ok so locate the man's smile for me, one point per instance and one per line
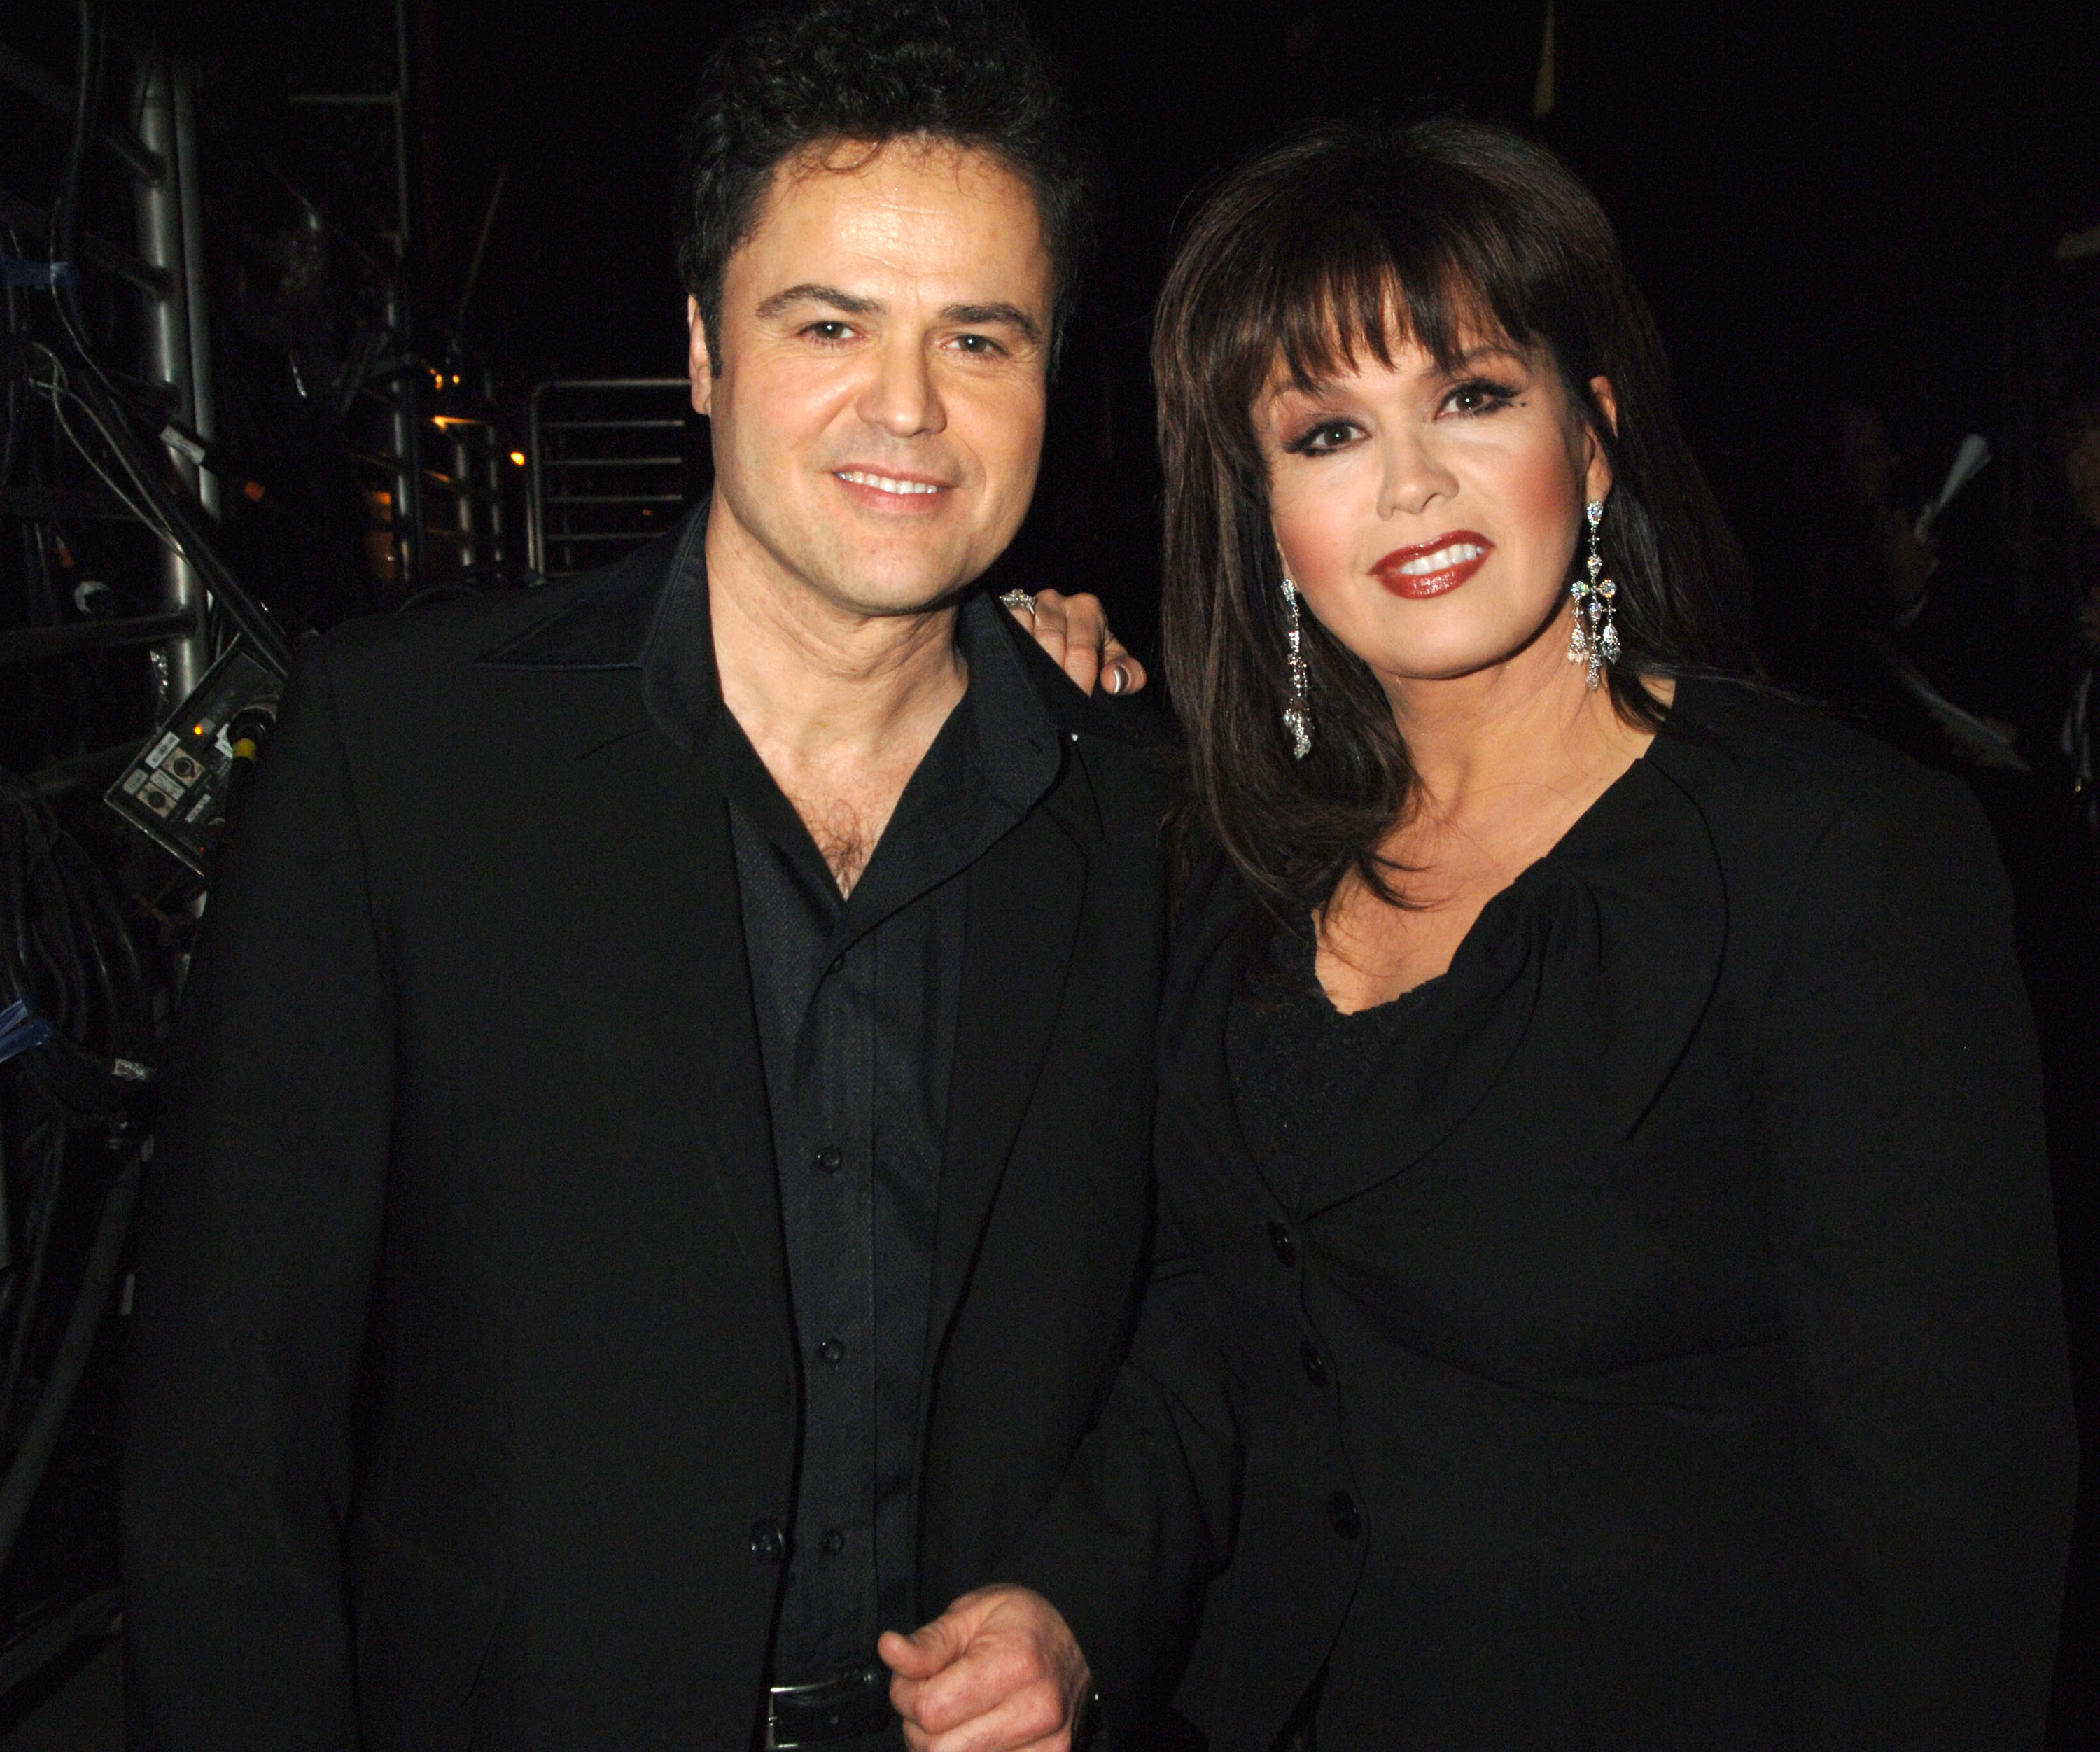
(891, 494)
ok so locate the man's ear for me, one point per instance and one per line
(1597, 472)
(698, 366)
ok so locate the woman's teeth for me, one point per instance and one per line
(1442, 560)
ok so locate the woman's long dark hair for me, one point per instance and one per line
(1320, 253)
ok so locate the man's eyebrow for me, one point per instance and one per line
(983, 316)
(811, 293)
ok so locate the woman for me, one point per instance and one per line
(1607, 1295)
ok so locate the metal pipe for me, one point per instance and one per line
(57, 96)
(26, 216)
(463, 519)
(33, 644)
(536, 516)
(404, 399)
(493, 462)
(169, 361)
(189, 201)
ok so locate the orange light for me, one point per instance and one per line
(517, 457)
(199, 730)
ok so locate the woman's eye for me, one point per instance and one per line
(1329, 435)
(1479, 397)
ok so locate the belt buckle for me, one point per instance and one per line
(834, 1696)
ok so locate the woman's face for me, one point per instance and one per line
(1429, 518)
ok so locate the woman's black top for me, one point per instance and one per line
(1296, 1061)
(1654, 1341)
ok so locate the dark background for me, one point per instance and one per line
(1824, 203)
(1827, 206)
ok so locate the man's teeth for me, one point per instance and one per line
(1442, 560)
(885, 482)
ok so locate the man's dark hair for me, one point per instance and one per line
(967, 72)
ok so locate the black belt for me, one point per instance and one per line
(851, 1705)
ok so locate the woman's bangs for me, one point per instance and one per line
(1352, 300)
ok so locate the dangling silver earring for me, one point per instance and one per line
(1596, 633)
(1297, 714)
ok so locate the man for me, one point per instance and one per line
(656, 1175)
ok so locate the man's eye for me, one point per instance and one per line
(829, 331)
(981, 345)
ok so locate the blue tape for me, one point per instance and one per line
(38, 276)
(21, 1029)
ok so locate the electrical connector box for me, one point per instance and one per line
(176, 790)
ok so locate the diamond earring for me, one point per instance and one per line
(1297, 714)
(1596, 633)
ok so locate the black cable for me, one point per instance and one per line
(65, 208)
(183, 517)
(105, 1258)
(40, 1221)
(66, 950)
(18, 397)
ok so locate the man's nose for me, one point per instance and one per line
(903, 397)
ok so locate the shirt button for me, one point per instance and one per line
(831, 1350)
(769, 1543)
(1313, 1362)
(1285, 1248)
(834, 1543)
(1342, 1515)
(830, 1159)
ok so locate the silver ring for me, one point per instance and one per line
(1019, 599)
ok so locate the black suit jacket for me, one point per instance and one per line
(465, 1397)
(1668, 1354)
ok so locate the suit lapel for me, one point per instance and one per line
(1025, 897)
(729, 1077)
(633, 663)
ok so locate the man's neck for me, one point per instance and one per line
(840, 706)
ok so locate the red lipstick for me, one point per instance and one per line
(1430, 568)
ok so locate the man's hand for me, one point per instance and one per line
(1074, 630)
(997, 1672)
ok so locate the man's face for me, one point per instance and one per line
(877, 413)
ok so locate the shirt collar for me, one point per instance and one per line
(995, 758)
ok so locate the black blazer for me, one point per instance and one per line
(1670, 1353)
(465, 1389)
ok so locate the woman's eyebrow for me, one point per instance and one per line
(1472, 356)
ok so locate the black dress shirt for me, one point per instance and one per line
(856, 999)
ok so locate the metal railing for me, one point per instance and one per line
(608, 467)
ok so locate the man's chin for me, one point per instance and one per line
(917, 586)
